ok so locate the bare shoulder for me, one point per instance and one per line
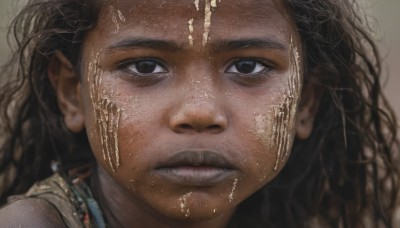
(30, 212)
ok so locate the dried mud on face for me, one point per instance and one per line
(275, 129)
(106, 114)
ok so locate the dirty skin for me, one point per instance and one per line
(276, 128)
(117, 18)
(190, 37)
(209, 6)
(233, 190)
(107, 115)
(183, 204)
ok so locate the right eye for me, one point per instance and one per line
(247, 67)
(144, 67)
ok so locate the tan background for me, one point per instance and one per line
(387, 27)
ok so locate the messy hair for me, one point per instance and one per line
(344, 175)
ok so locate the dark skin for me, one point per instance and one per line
(190, 120)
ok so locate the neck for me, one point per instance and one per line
(122, 209)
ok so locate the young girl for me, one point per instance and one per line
(149, 113)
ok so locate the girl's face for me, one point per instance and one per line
(191, 106)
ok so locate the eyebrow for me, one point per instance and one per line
(216, 46)
(227, 45)
(145, 43)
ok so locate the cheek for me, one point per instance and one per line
(274, 133)
(115, 119)
(104, 118)
(274, 129)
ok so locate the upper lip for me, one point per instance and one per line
(196, 157)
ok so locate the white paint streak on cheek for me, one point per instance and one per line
(285, 113)
(110, 116)
(117, 18)
(233, 190)
(190, 37)
(207, 19)
(280, 129)
(107, 115)
(95, 73)
(183, 204)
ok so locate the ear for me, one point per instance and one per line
(67, 86)
(308, 108)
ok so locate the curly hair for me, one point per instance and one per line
(345, 172)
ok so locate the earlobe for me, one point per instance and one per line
(310, 100)
(67, 87)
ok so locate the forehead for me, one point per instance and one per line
(174, 7)
(169, 18)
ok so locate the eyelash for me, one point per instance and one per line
(258, 63)
(125, 65)
(158, 69)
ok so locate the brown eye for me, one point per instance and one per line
(146, 67)
(246, 67)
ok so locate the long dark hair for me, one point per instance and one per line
(32, 124)
(345, 172)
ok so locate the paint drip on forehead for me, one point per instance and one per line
(276, 129)
(190, 37)
(117, 18)
(107, 115)
(196, 4)
(209, 6)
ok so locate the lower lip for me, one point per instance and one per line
(195, 176)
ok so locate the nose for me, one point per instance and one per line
(198, 114)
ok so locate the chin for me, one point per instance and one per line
(197, 208)
(195, 215)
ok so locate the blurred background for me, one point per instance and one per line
(385, 18)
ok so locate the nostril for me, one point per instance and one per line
(214, 127)
(185, 126)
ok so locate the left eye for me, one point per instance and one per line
(146, 67)
(246, 67)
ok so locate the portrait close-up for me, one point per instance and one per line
(200, 113)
